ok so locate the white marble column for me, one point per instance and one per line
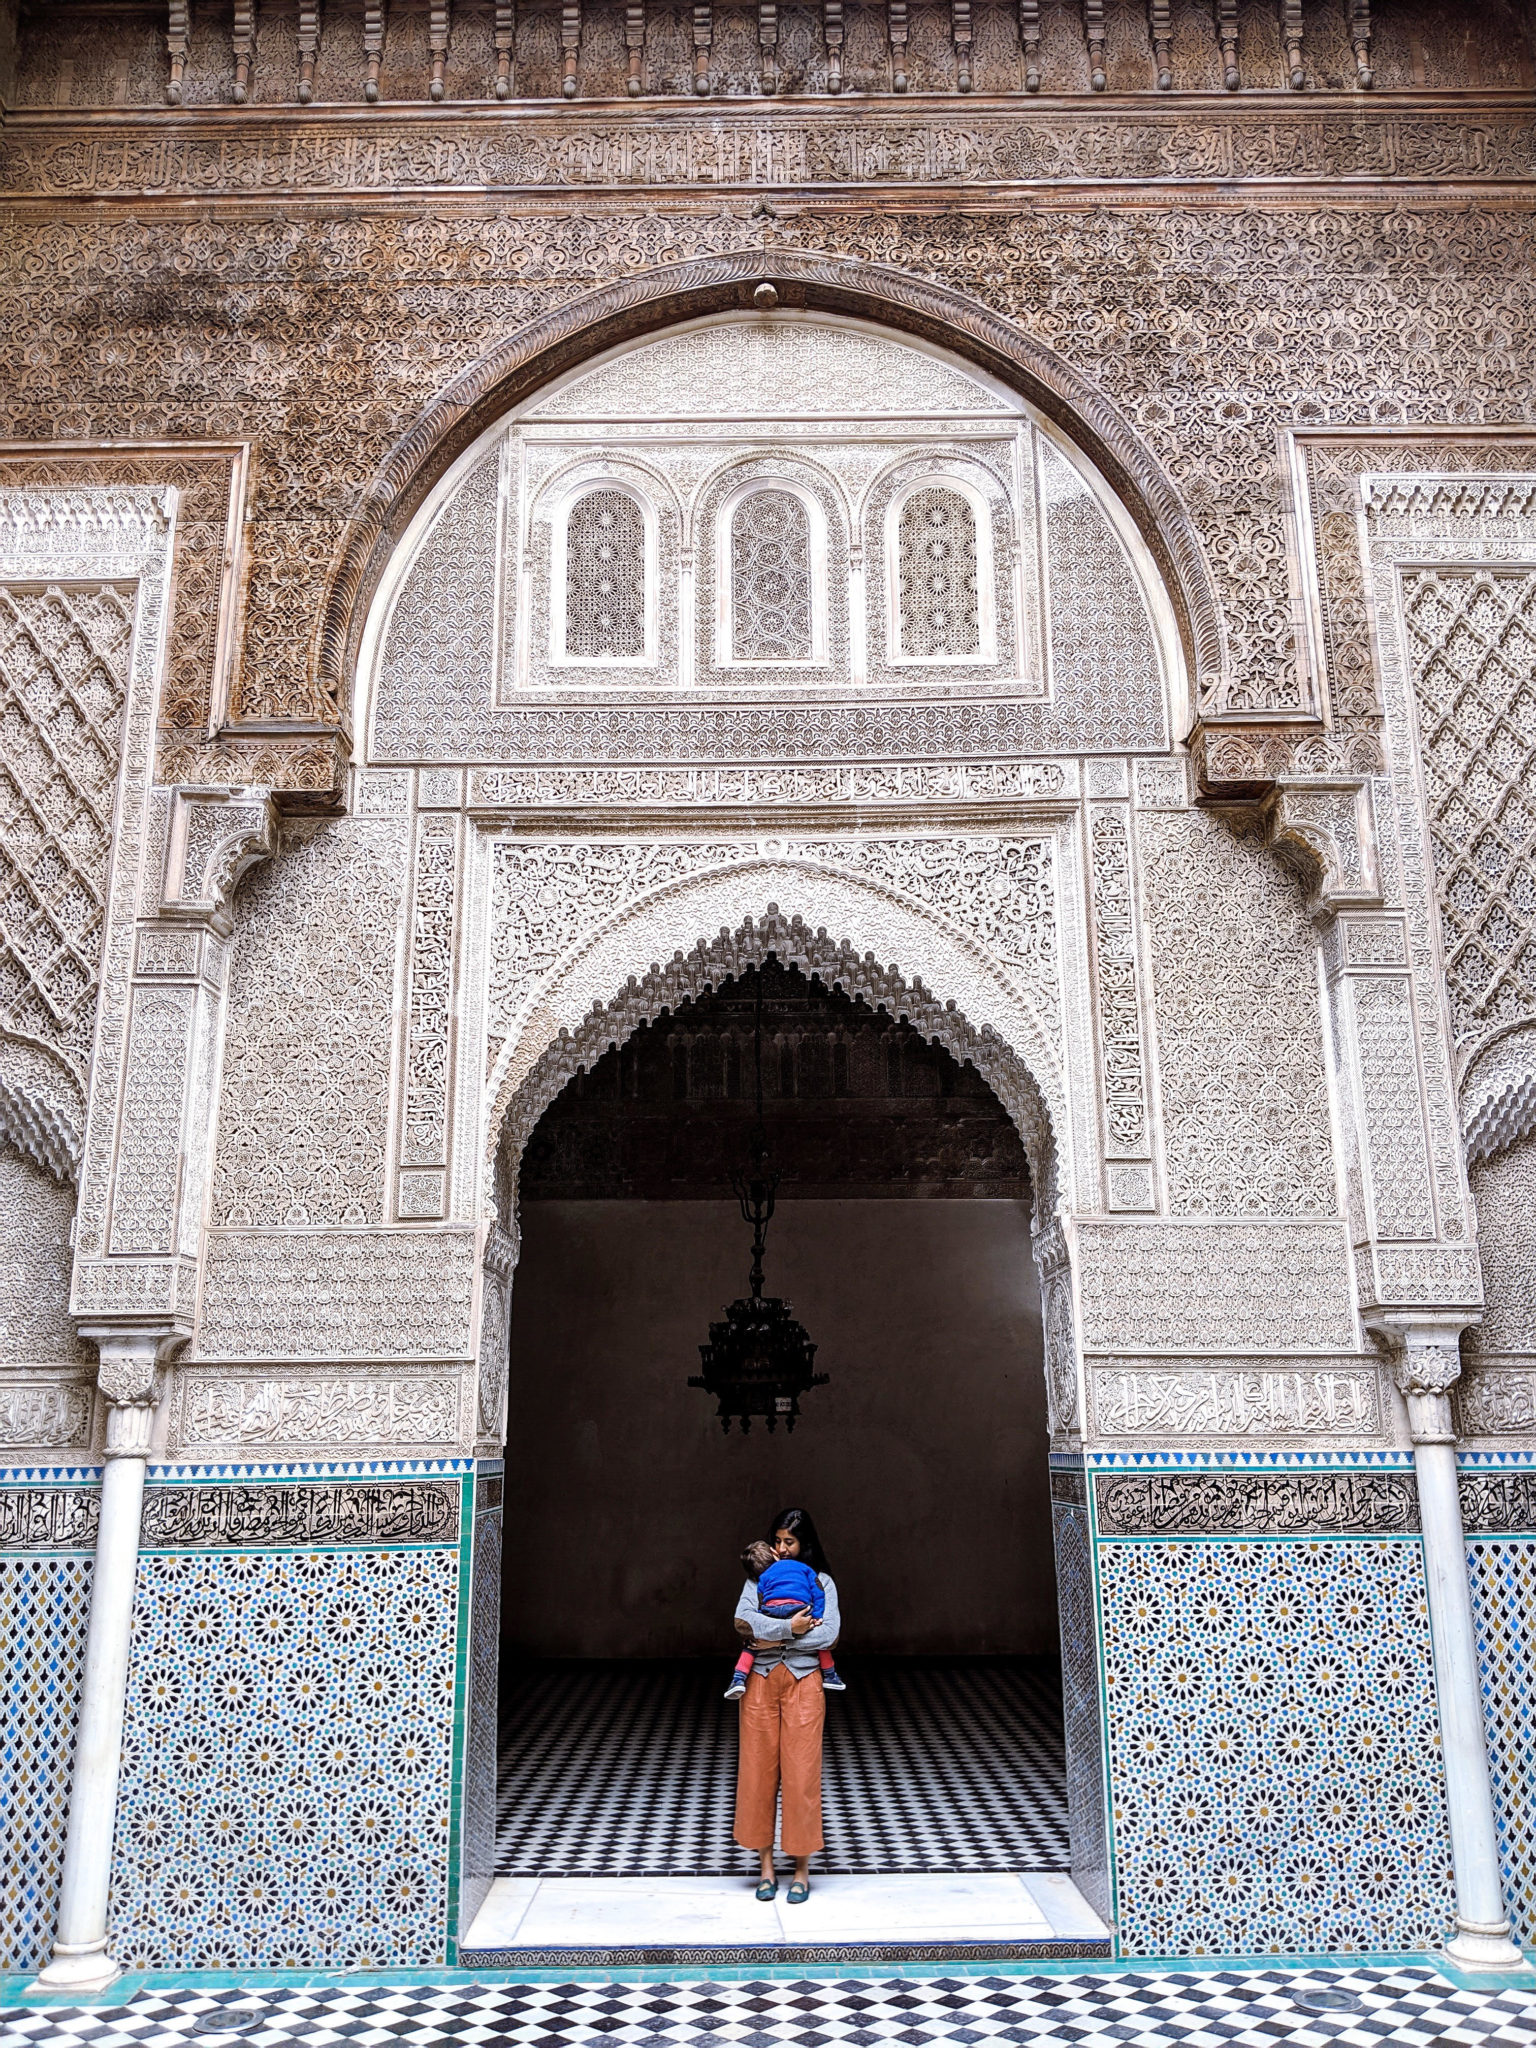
(129, 1377)
(1426, 1361)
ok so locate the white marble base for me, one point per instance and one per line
(698, 1912)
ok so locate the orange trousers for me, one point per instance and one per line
(780, 1738)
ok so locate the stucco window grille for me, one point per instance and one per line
(771, 601)
(938, 595)
(605, 578)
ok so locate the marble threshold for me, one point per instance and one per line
(536, 1920)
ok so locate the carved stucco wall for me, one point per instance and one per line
(36, 1213)
(1244, 1092)
(1205, 329)
(1210, 331)
(1505, 1191)
(304, 1113)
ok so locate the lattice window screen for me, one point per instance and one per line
(771, 578)
(1472, 642)
(938, 585)
(605, 578)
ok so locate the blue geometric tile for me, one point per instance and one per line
(1503, 1575)
(45, 1604)
(287, 1760)
(1275, 1767)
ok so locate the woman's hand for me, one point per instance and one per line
(802, 1623)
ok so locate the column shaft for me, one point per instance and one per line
(1482, 1937)
(80, 1961)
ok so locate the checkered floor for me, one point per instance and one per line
(1225, 2009)
(931, 1765)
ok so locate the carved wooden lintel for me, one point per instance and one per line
(178, 30)
(960, 28)
(309, 48)
(832, 29)
(243, 42)
(570, 46)
(896, 24)
(703, 40)
(1093, 30)
(501, 36)
(437, 44)
(373, 46)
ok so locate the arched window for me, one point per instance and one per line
(771, 605)
(605, 578)
(938, 593)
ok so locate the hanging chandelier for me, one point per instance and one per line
(759, 1361)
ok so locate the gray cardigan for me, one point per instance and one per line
(784, 1647)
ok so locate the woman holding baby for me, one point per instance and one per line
(782, 1710)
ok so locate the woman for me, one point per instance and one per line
(782, 1715)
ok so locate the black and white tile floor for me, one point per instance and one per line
(1370, 2008)
(932, 1765)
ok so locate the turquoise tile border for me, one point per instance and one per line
(1213, 1459)
(460, 1712)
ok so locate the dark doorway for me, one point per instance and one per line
(902, 1241)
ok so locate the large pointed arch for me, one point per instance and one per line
(575, 333)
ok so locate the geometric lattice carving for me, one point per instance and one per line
(287, 1759)
(1472, 644)
(1275, 1766)
(1503, 1576)
(605, 578)
(305, 1102)
(63, 677)
(770, 578)
(1245, 1098)
(44, 1606)
(940, 602)
(35, 1218)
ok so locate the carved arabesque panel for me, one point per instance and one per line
(37, 1215)
(440, 647)
(1244, 1093)
(303, 1117)
(1504, 1188)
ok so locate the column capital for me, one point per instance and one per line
(1424, 1359)
(128, 1375)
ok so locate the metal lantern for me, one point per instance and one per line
(759, 1361)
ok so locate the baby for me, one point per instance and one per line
(785, 1587)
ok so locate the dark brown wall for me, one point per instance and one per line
(924, 1460)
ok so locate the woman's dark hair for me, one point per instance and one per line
(799, 1524)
